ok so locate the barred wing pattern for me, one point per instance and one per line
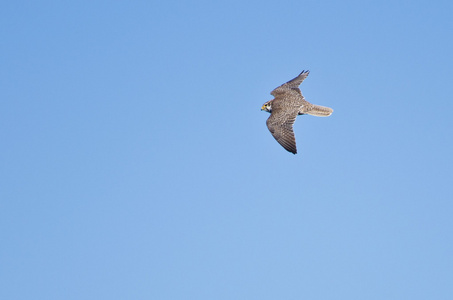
(292, 85)
(280, 124)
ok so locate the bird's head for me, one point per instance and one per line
(267, 106)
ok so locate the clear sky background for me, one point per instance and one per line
(136, 163)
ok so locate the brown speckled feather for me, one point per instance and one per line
(291, 86)
(280, 124)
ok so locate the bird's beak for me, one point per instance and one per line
(262, 107)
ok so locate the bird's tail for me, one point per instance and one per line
(320, 111)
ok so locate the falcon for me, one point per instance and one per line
(287, 104)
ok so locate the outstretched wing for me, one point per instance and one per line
(280, 124)
(292, 85)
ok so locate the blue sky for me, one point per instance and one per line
(136, 163)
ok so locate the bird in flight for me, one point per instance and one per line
(287, 104)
